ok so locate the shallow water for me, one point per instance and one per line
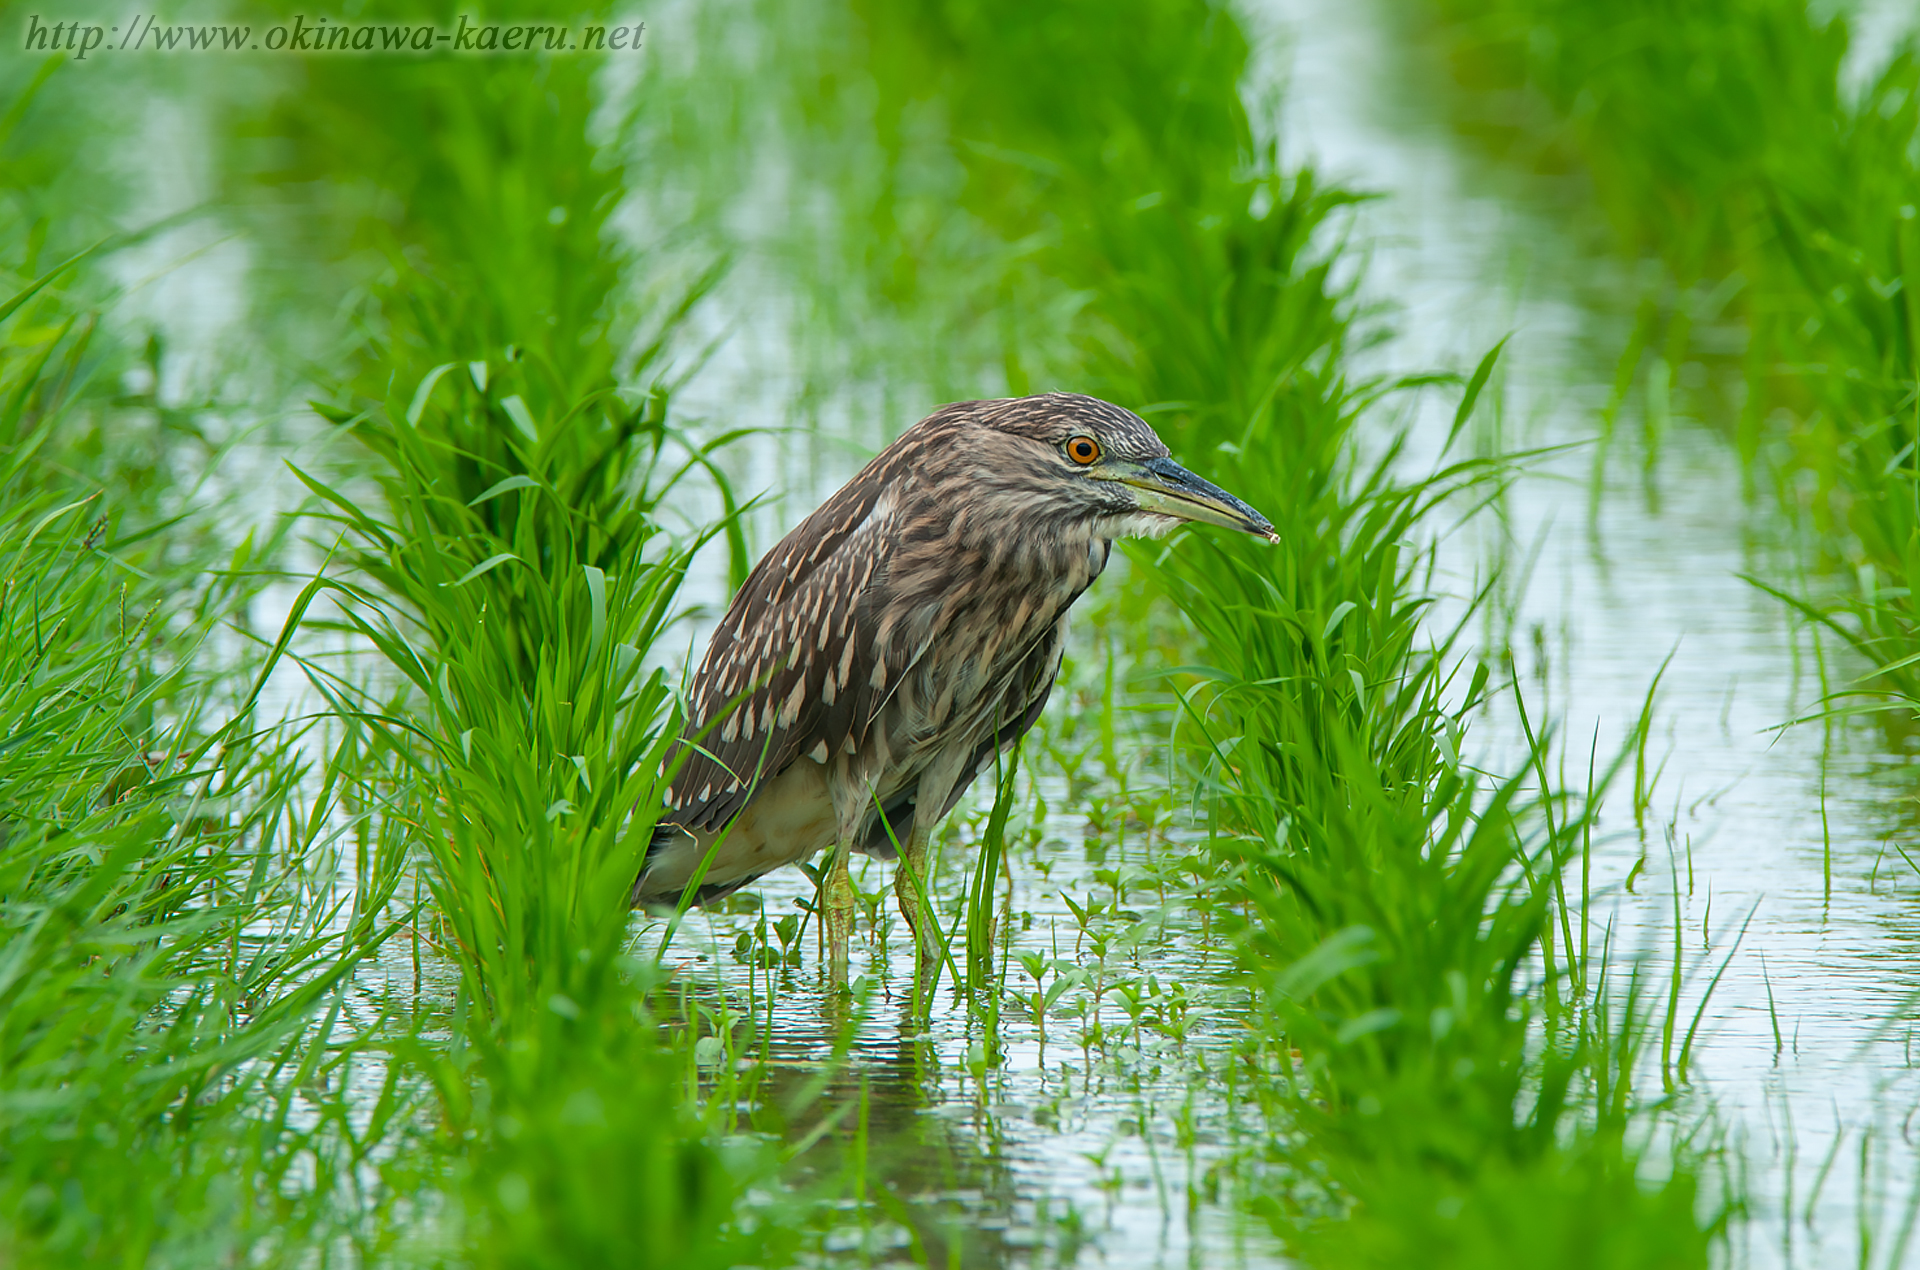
(1052, 1143)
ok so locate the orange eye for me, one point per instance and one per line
(1083, 450)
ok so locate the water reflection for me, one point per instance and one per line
(1112, 1129)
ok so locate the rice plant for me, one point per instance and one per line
(176, 948)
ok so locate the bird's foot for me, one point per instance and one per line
(916, 906)
(838, 913)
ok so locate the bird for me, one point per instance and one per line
(900, 640)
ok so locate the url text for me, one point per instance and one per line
(149, 34)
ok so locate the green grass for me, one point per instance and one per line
(513, 413)
(526, 762)
(176, 950)
(176, 946)
(1413, 927)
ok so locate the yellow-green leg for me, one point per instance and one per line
(916, 904)
(838, 911)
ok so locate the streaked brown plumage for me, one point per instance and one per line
(905, 631)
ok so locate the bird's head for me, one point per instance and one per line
(1100, 463)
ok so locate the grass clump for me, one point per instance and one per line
(526, 754)
(175, 948)
(1455, 1060)
(513, 416)
(174, 1035)
(1460, 1064)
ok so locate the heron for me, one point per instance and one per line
(900, 640)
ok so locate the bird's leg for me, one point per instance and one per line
(913, 889)
(838, 909)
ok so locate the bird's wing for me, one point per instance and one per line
(792, 658)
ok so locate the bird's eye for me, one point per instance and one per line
(1083, 450)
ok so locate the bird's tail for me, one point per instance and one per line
(667, 896)
(663, 833)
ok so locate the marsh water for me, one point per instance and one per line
(1105, 1140)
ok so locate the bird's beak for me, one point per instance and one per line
(1165, 487)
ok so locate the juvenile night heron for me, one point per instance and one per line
(906, 633)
